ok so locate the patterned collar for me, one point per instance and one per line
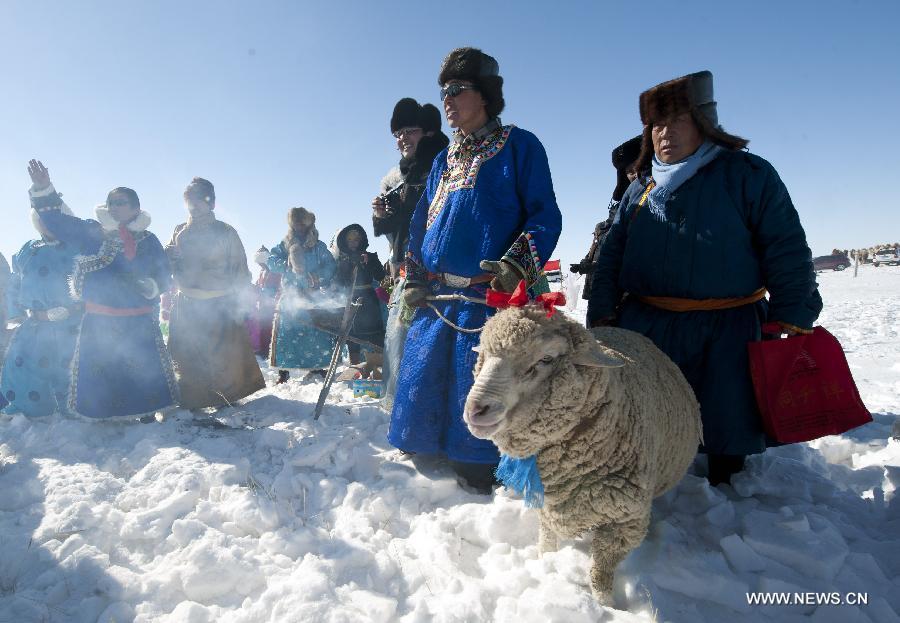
(478, 135)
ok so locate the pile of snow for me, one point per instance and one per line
(276, 517)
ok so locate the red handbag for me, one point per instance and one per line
(803, 386)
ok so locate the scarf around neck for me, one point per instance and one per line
(669, 177)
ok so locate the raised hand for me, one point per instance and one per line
(40, 175)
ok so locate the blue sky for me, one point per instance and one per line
(286, 104)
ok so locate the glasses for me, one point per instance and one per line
(118, 203)
(402, 132)
(455, 89)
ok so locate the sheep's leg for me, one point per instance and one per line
(611, 544)
(547, 541)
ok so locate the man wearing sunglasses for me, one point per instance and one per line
(417, 130)
(488, 218)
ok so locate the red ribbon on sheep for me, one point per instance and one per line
(519, 298)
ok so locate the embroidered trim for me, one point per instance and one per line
(164, 358)
(463, 164)
(524, 255)
(84, 264)
(415, 272)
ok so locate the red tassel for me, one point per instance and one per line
(519, 298)
(128, 242)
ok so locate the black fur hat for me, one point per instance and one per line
(409, 114)
(473, 65)
(626, 153)
(622, 157)
(692, 93)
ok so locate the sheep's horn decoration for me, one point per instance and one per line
(519, 298)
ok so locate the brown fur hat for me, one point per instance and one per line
(473, 65)
(692, 93)
(301, 218)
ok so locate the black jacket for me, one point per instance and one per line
(402, 203)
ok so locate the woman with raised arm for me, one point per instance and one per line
(121, 366)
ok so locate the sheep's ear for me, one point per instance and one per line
(597, 357)
(476, 349)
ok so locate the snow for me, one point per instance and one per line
(276, 517)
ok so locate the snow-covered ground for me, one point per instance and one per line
(280, 518)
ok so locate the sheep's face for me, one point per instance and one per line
(528, 366)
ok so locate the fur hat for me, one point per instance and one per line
(626, 153)
(409, 114)
(692, 93)
(483, 71)
(202, 190)
(622, 158)
(301, 217)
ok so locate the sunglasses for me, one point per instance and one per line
(406, 132)
(455, 89)
(118, 203)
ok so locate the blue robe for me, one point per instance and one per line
(295, 344)
(121, 367)
(485, 201)
(726, 232)
(36, 372)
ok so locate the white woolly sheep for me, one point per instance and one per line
(612, 421)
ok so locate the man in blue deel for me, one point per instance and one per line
(488, 218)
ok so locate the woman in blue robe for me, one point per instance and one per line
(488, 218)
(35, 379)
(121, 366)
(693, 250)
(306, 267)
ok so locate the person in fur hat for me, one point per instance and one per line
(417, 130)
(306, 266)
(723, 231)
(35, 377)
(209, 344)
(121, 366)
(488, 219)
(350, 251)
(622, 158)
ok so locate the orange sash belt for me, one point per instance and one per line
(672, 303)
(103, 310)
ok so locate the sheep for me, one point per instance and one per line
(611, 419)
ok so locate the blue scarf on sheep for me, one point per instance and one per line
(523, 477)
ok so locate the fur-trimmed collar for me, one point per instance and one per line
(108, 223)
(393, 179)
